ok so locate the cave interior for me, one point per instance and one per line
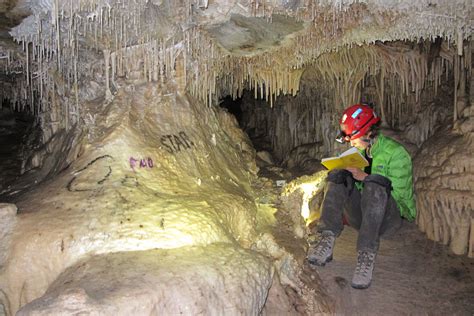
(163, 157)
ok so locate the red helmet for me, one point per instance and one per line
(356, 122)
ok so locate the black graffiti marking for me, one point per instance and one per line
(178, 142)
(175, 143)
(128, 181)
(94, 161)
(186, 139)
(164, 143)
(106, 176)
(70, 183)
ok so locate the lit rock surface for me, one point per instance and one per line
(299, 197)
(7, 225)
(154, 172)
(215, 280)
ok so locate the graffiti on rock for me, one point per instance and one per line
(141, 163)
(175, 143)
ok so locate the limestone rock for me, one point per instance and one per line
(7, 224)
(188, 281)
(444, 170)
(151, 179)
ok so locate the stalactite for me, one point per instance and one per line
(115, 27)
(108, 94)
(456, 82)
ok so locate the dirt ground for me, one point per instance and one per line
(412, 276)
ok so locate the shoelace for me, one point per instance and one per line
(325, 244)
(364, 262)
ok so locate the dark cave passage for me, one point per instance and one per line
(255, 126)
(15, 128)
(267, 128)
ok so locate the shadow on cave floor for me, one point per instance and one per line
(413, 275)
(13, 132)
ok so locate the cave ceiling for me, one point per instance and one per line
(265, 42)
(242, 27)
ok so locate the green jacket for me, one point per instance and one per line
(391, 160)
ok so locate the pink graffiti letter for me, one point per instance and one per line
(133, 161)
(150, 162)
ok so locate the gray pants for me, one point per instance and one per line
(373, 212)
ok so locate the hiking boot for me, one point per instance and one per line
(363, 272)
(321, 253)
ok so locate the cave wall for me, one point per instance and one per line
(158, 204)
(443, 180)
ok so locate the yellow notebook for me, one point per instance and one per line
(350, 158)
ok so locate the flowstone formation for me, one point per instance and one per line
(444, 186)
(158, 205)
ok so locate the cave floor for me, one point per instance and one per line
(413, 275)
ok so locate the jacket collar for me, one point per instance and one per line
(377, 145)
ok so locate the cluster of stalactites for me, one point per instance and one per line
(401, 75)
(62, 38)
(136, 40)
(402, 79)
(338, 28)
(150, 39)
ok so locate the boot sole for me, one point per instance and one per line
(318, 263)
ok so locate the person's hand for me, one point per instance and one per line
(357, 173)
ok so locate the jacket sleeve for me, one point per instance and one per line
(400, 173)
